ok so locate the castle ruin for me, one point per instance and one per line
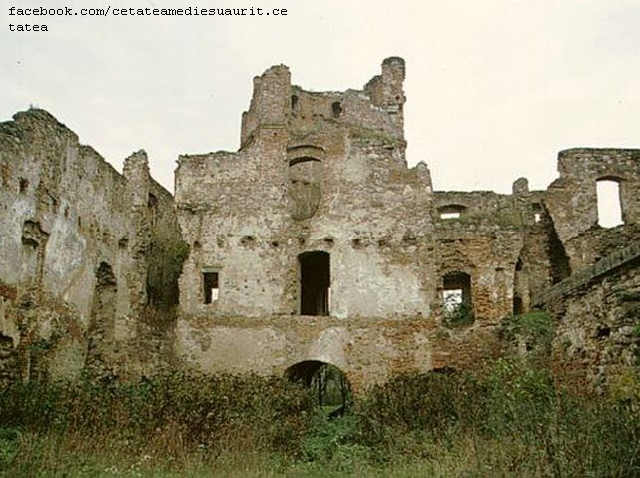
(313, 243)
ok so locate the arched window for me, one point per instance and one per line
(609, 207)
(537, 212)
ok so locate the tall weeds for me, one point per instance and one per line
(511, 422)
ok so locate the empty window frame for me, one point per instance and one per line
(336, 109)
(315, 281)
(452, 211)
(609, 205)
(211, 286)
(456, 291)
(537, 212)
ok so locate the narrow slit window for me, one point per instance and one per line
(211, 287)
(609, 207)
(152, 206)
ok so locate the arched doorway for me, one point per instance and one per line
(328, 382)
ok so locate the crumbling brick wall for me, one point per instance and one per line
(572, 201)
(65, 214)
(598, 335)
(93, 263)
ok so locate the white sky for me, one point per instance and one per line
(495, 88)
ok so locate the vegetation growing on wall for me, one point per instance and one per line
(533, 331)
(166, 257)
(459, 315)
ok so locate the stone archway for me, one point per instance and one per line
(328, 382)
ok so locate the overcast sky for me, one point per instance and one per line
(494, 88)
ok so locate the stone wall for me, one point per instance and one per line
(313, 241)
(77, 234)
(598, 336)
(326, 172)
(572, 201)
(308, 182)
(367, 350)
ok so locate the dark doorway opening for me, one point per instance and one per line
(327, 382)
(517, 305)
(559, 261)
(315, 280)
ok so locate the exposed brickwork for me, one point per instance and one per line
(65, 211)
(598, 335)
(320, 172)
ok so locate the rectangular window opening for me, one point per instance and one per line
(456, 297)
(608, 203)
(315, 283)
(211, 287)
(456, 291)
(451, 211)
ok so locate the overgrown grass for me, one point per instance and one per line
(511, 422)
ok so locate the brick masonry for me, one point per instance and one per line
(108, 270)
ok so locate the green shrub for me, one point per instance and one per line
(537, 325)
(328, 438)
(519, 397)
(434, 402)
(511, 422)
(535, 330)
(207, 410)
(9, 441)
(459, 315)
